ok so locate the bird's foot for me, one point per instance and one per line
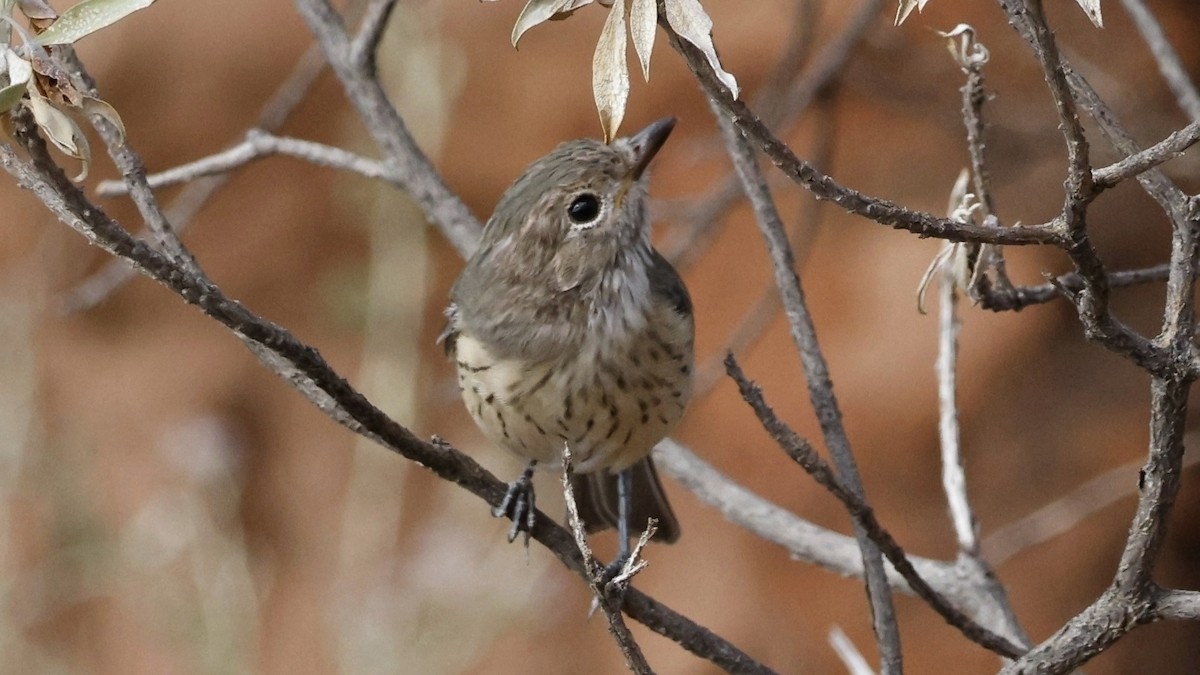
(519, 505)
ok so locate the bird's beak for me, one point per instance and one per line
(646, 144)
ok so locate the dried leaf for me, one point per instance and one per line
(1092, 9)
(88, 17)
(961, 208)
(35, 9)
(539, 11)
(948, 250)
(61, 130)
(95, 106)
(643, 19)
(958, 194)
(967, 53)
(610, 76)
(906, 7)
(691, 22)
(19, 71)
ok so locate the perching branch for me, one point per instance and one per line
(308, 372)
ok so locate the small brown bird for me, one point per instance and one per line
(568, 328)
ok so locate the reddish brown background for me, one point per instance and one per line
(344, 559)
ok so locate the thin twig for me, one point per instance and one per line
(370, 33)
(1065, 513)
(782, 107)
(825, 187)
(115, 273)
(803, 454)
(848, 653)
(609, 602)
(954, 476)
(1020, 297)
(420, 180)
(984, 260)
(131, 167)
(820, 386)
(255, 146)
(754, 324)
(1169, 65)
(1165, 150)
(832, 551)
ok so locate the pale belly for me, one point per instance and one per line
(610, 409)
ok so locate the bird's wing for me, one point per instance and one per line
(666, 283)
(448, 338)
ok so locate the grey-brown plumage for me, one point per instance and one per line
(567, 327)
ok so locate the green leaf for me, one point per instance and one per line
(610, 77)
(19, 73)
(88, 17)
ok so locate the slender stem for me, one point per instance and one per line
(1169, 65)
(820, 384)
(954, 476)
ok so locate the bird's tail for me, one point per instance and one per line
(596, 496)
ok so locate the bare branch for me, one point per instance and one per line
(803, 454)
(1065, 513)
(608, 600)
(259, 144)
(1164, 55)
(1021, 297)
(131, 167)
(820, 386)
(114, 274)
(848, 653)
(1177, 605)
(419, 178)
(370, 32)
(825, 187)
(1165, 150)
(954, 476)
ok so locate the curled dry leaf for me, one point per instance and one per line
(610, 77)
(692, 23)
(61, 130)
(962, 207)
(965, 51)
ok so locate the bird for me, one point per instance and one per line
(567, 328)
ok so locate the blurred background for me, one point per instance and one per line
(168, 506)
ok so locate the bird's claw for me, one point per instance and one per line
(519, 505)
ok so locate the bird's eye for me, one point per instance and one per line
(584, 209)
